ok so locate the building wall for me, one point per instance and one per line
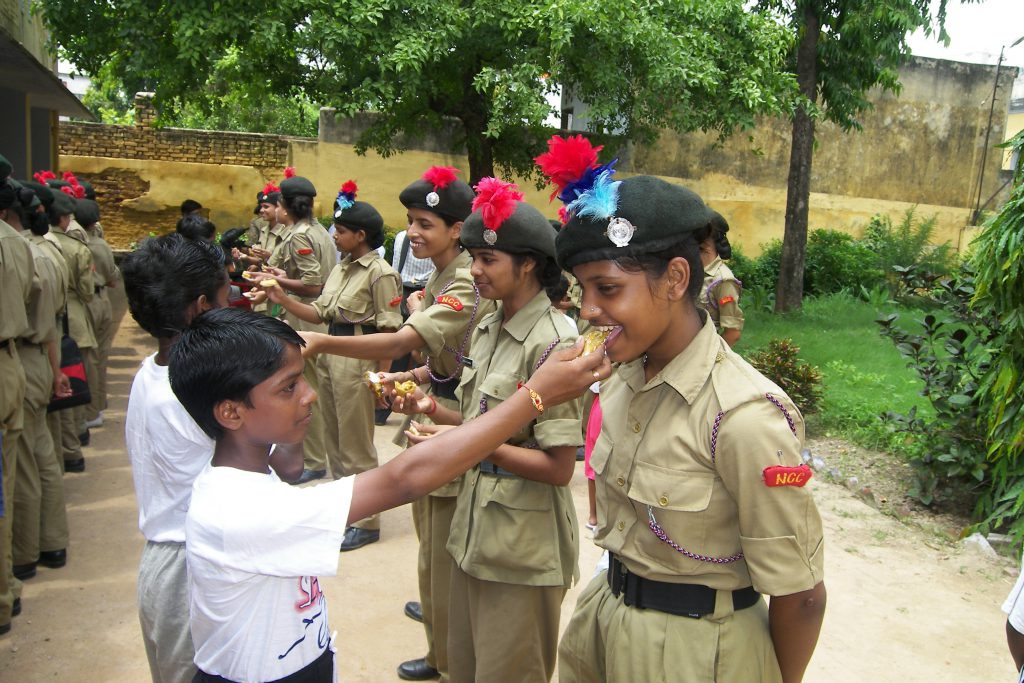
(921, 149)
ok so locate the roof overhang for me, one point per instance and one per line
(21, 71)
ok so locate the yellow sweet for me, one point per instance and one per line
(593, 339)
(268, 283)
(373, 380)
(405, 388)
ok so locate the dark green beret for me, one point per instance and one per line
(651, 215)
(42, 191)
(360, 216)
(87, 212)
(525, 231)
(62, 204)
(26, 197)
(5, 167)
(90, 193)
(454, 201)
(297, 185)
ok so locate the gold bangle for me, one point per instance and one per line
(534, 398)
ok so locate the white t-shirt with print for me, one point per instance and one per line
(167, 450)
(255, 547)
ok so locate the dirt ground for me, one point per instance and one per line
(903, 604)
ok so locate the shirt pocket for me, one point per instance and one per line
(679, 500)
(602, 450)
(514, 526)
(495, 388)
(355, 308)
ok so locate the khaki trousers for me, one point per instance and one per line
(103, 328)
(40, 518)
(314, 447)
(502, 632)
(12, 407)
(348, 419)
(432, 519)
(608, 641)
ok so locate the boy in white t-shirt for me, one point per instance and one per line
(256, 545)
(169, 281)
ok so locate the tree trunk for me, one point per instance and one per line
(789, 291)
(481, 157)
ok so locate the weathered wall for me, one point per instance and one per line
(922, 148)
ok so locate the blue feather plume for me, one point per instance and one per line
(345, 200)
(601, 199)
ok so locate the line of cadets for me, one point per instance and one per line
(65, 286)
(499, 546)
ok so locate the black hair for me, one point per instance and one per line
(36, 221)
(233, 238)
(299, 206)
(654, 264)
(559, 290)
(716, 230)
(195, 227)
(221, 356)
(165, 275)
(547, 270)
(374, 238)
(190, 205)
(53, 215)
(8, 196)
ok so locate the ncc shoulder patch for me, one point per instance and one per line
(450, 301)
(304, 252)
(394, 302)
(778, 475)
(726, 300)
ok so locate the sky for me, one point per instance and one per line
(977, 31)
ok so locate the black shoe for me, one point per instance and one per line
(357, 538)
(54, 559)
(16, 607)
(83, 438)
(414, 611)
(74, 465)
(380, 416)
(416, 670)
(5, 628)
(309, 475)
(24, 572)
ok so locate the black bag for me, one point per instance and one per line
(71, 365)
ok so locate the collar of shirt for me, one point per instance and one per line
(687, 373)
(440, 279)
(523, 321)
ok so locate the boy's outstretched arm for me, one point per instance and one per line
(419, 470)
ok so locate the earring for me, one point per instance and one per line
(593, 308)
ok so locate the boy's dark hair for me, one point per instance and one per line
(233, 238)
(559, 290)
(195, 227)
(165, 275)
(190, 205)
(221, 356)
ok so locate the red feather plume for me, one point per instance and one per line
(289, 171)
(270, 187)
(440, 176)
(350, 187)
(70, 177)
(67, 190)
(42, 176)
(496, 200)
(563, 214)
(566, 160)
(79, 191)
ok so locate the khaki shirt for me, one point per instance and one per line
(366, 291)
(46, 300)
(80, 287)
(270, 237)
(16, 274)
(106, 271)
(256, 228)
(691, 447)
(51, 248)
(720, 296)
(306, 253)
(507, 528)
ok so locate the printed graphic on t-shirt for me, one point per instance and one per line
(310, 607)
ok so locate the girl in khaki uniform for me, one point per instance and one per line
(440, 328)
(301, 263)
(701, 497)
(514, 538)
(720, 293)
(361, 296)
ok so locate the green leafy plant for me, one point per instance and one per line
(907, 246)
(835, 260)
(780, 363)
(951, 358)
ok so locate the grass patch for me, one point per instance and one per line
(862, 373)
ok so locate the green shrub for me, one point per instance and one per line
(778, 362)
(836, 261)
(907, 245)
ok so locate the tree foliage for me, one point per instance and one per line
(488, 66)
(844, 48)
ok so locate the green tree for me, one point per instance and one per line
(843, 49)
(486, 66)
